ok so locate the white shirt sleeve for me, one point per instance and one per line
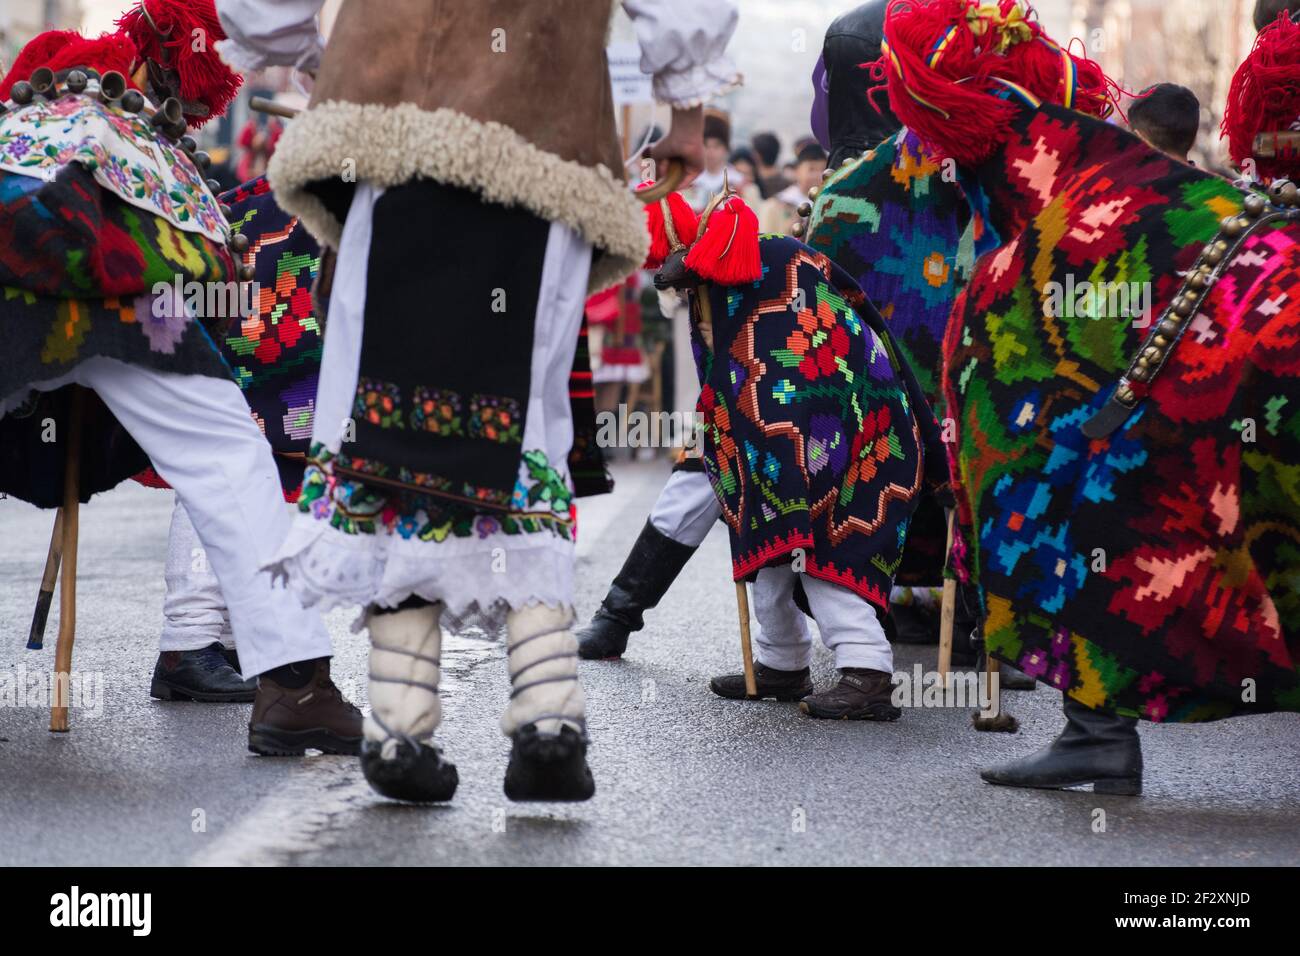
(264, 33)
(684, 46)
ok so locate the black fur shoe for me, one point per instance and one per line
(648, 572)
(420, 776)
(548, 767)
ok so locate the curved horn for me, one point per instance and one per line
(112, 85)
(672, 179)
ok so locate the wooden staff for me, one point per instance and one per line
(68, 588)
(36, 637)
(261, 104)
(948, 609)
(746, 649)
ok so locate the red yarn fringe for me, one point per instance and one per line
(685, 222)
(192, 30)
(64, 49)
(727, 253)
(953, 99)
(1265, 98)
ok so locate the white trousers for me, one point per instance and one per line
(847, 622)
(202, 440)
(194, 610)
(686, 509)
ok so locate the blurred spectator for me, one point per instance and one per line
(717, 146)
(779, 212)
(258, 145)
(743, 162)
(767, 150)
(1168, 117)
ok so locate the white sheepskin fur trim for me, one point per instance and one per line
(543, 660)
(389, 145)
(406, 647)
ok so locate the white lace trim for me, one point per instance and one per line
(326, 567)
(698, 85)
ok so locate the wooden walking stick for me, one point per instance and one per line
(948, 609)
(746, 649)
(68, 587)
(36, 637)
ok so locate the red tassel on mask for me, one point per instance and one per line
(685, 223)
(727, 253)
(191, 30)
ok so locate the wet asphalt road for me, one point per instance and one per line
(682, 777)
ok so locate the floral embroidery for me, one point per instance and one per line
(495, 418)
(437, 411)
(379, 403)
(122, 151)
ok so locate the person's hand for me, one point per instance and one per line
(684, 142)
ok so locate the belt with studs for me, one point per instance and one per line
(1135, 384)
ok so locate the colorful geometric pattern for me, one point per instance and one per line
(813, 428)
(1155, 572)
(64, 247)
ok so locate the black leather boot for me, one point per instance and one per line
(650, 569)
(204, 675)
(771, 683)
(1096, 747)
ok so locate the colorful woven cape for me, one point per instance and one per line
(903, 230)
(1156, 571)
(78, 267)
(276, 353)
(814, 430)
(905, 234)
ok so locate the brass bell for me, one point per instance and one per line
(42, 81)
(22, 93)
(812, 193)
(239, 242)
(1289, 194)
(214, 186)
(246, 273)
(1160, 341)
(1214, 255)
(1233, 226)
(1140, 373)
(167, 115)
(1255, 205)
(112, 86)
(202, 160)
(796, 228)
(1125, 394)
(133, 101)
(1151, 353)
(1198, 280)
(1168, 327)
(188, 144)
(827, 174)
(77, 81)
(1184, 307)
(805, 209)
(225, 210)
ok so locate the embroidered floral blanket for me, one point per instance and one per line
(120, 149)
(1155, 571)
(815, 432)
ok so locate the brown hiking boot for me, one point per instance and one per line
(288, 720)
(861, 694)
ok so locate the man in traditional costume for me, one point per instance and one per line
(103, 215)
(1120, 458)
(817, 441)
(462, 160)
(274, 352)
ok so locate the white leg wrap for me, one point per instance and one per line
(405, 650)
(543, 661)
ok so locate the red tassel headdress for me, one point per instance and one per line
(178, 35)
(956, 69)
(672, 210)
(726, 252)
(1264, 98)
(181, 36)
